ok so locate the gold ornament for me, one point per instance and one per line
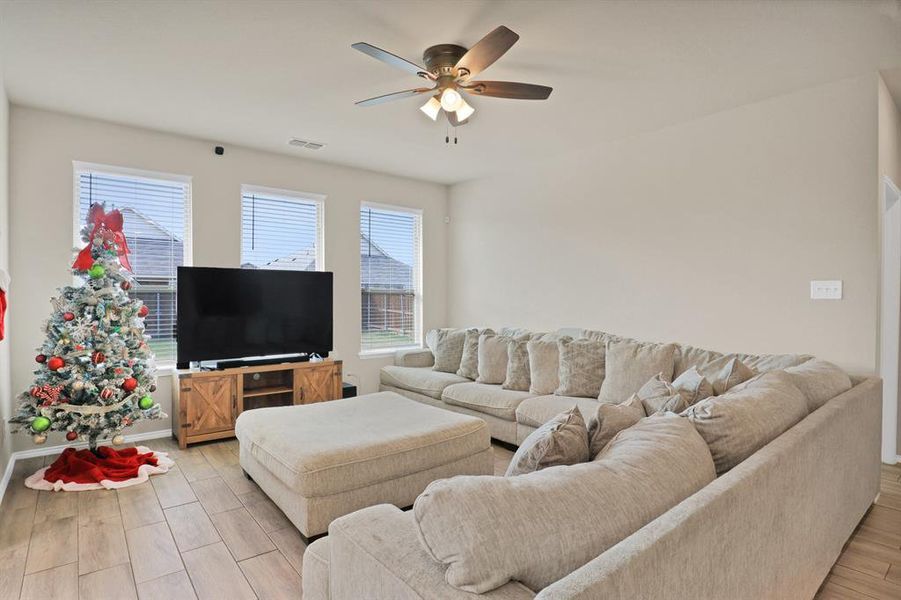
(118, 440)
(39, 438)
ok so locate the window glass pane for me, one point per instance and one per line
(389, 278)
(280, 232)
(156, 221)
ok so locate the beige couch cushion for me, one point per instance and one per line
(493, 358)
(820, 381)
(581, 369)
(539, 527)
(610, 419)
(534, 411)
(631, 364)
(708, 362)
(544, 364)
(486, 398)
(563, 440)
(738, 423)
(469, 361)
(658, 395)
(730, 375)
(331, 447)
(517, 377)
(447, 347)
(422, 380)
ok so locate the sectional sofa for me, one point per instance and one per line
(769, 527)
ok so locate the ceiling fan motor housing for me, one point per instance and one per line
(441, 59)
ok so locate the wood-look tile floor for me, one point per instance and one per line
(200, 531)
(870, 564)
(204, 531)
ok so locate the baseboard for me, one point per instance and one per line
(47, 450)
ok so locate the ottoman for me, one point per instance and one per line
(320, 461)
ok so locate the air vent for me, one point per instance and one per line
(305, 144)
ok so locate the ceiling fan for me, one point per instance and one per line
(451, 68)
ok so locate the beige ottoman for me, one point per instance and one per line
(318, 462)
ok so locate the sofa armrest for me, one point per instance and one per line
(376, 553)
(417, 357)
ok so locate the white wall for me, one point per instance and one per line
(5, 388)
(43, 146)
(889, 164)
(707, 232)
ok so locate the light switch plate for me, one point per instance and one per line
(826, 289)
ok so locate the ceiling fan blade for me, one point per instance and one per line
(486, 51)
(508, 89)
(393, 96)
(391, 59)
(452, 119)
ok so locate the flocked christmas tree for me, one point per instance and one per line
(95, 372)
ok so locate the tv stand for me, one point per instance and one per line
(258, 362)
(205, 404)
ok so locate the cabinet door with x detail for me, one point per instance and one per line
(210, 406)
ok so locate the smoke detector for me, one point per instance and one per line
(305, 144)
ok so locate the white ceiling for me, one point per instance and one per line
(256, 73)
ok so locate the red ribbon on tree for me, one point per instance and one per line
(103, 221)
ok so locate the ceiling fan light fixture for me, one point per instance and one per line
(465, 111)
(451, 99)
(431, 108)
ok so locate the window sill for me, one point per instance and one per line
(385, 353)
(165, 369)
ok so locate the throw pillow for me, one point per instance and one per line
(820, 381)
(693, 386)
(610, 420)
(746, 418)
(492, 358)
(469, 360)
(447, 347)
(733, 373)
(544, 365)
(659, 396)
(630, 364)
(561, 441)
(517, 366)
(581, 368)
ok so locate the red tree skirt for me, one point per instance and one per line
(78, 470)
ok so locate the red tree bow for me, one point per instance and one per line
(103, 222)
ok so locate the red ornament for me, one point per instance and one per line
(55, 363)
(41, 358)
(143, 311)
(97, 357)
(71, 436)
(69, 316)
(106, 393)
(130, 384)
(125, 285)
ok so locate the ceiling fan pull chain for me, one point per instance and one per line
(455, 135)
(446, 135)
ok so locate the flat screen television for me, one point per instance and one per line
(239, 313)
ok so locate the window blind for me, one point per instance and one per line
(157, 223)
(280, 232)
(390, 250)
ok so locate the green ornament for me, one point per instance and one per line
(97, 271)
(145, 403)
(40, 424)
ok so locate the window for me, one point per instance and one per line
(390, 252)
(281, 230)
(157, 224)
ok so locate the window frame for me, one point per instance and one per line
(81, 167)
(418, 295)
(280, 194)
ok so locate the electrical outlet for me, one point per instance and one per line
(826, 289)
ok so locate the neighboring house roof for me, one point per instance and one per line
(155, 251)
(304, 260)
